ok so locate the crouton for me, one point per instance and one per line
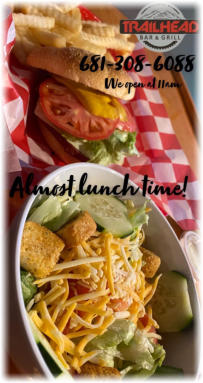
(78, 230)
(151, 263)
(40, 249)
(92, 370)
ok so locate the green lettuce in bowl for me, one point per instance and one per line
(128, 349)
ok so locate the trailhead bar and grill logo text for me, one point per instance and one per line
(160, 27)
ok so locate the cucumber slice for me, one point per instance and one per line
(108, 212)
(53, 363)
(171, 303)
(168, 370)
(46, 211)
(37, 202)
(69, 211)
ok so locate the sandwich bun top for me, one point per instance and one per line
(65, 62)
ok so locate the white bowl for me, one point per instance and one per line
(182, 349)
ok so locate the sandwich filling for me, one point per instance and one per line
(97, 125)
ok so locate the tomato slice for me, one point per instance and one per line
(152, 329)
(130, 124)
(144, 321)
(79, 288)
(82, 289)
(119, 305)
(72, 292)
(63, 109)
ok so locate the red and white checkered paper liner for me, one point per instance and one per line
(161, 156)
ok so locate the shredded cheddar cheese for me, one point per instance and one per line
(80, 299)
(61, 358)
(65, 318)
(149, 297)
(67, 265)
(81, 345)
(77, 334)
(55, 313)
(107, 239)
(87, 357)
(83, 297)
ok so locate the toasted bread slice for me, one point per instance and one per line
(152, 263)
(92, 370)
(78, 230)
(40, 249)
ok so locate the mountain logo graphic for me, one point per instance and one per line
(160, 27)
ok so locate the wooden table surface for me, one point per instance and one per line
(179, 106)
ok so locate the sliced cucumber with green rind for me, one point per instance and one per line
(108, 212)
(168, 370)
(69, 210)
(39, 200)
(120, 200)
(53, 363)
(48, 210)
(53, 366)
(127, 234)
(171, 303)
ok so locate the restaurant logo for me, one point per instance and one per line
(160, 27)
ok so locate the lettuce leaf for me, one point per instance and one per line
(28, 288)
(104, 152)
(140, 217)
(141, 356)
(138, 351)
(54, 212)
(158, 357)
(106, 356)
(121, 330)
(128, 349)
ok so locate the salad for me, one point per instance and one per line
(96, 301)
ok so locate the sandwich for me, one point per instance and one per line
(80, 118)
